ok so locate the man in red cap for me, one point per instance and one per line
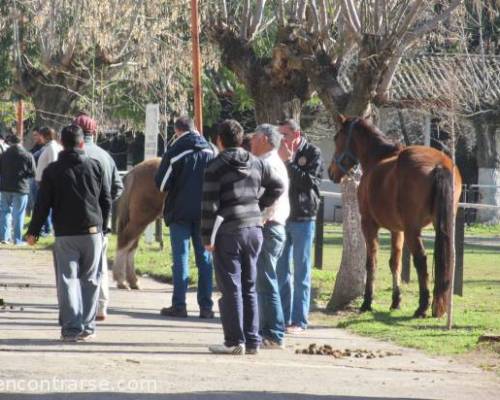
(89, 127)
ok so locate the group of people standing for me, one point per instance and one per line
(267, 199)
(248, 212)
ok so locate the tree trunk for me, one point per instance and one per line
(53, 93)
(350, 281)
(488, 160)
(273, 106)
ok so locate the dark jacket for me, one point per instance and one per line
(237, 187)
(305, 172)
(75, 188)
(181, 175)
(17, 166)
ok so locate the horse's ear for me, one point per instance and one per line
(341, 119)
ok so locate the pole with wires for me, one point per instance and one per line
(195, 35)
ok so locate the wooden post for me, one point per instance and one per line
(458, 286)
(159, 232)
(198, 95)
(405, 272)
(114, 214)
(318, 244)
(20, 119)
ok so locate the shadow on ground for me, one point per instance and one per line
(247, 395)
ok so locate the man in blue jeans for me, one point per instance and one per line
(305, 170)
(265, 143)
(17, 167)
(181, 175)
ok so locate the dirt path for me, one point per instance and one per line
(140, 355)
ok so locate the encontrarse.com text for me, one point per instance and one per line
(78, 385)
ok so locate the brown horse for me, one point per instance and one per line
(402, 190)
(139, 205)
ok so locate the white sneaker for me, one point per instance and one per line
(238, 350)
(269, 344)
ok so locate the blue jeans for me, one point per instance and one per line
(296, 292)
(12, 205)
(180, 235)
(47, 226)
(272, 322)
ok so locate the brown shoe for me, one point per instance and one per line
(174, 312)
(206, 314)
(100, 318)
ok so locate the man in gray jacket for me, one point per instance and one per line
(89, 127)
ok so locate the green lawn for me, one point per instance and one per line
(476, 313)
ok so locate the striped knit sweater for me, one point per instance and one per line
(237, 186)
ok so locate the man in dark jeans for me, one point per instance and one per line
(181, 175)
(75, 188)
(305, 170)
(17, 167)
(232, 190)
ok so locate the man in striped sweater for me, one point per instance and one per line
(237, 187)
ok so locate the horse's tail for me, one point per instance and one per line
(443, 225)
(123, 207)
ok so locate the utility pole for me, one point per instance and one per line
(20, 119)
(195, 36)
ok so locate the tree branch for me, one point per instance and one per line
(245, 20)
(433, 22)
(257, 18)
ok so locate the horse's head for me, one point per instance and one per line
(344, 158)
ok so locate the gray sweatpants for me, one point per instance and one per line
(78, 267)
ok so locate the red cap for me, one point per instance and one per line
(85, 122)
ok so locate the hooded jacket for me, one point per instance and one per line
(181, 175)
(75, 189)
(237, 187)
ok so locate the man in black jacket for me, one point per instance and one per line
(75, 188)
(17, 166)
(305, 170)
(181, 175)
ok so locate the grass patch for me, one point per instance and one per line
(476, 313)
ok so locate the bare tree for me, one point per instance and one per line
(65, 53)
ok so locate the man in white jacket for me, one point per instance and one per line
(49, 154)
(265, 144)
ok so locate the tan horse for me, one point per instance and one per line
(402, 190)
(140, 204)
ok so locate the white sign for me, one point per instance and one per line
(151, 132)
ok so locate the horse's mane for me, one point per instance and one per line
(380, 145)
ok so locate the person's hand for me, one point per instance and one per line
(31, 239)
(285, 151)
(209, 248)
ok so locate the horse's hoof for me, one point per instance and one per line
(395, 306)
(135, 286)
(122, 286)
(365, 308)
(420, 314)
